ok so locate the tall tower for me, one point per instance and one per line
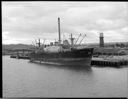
(101, 40)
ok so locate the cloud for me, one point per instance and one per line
(26, 21)
(6, 39)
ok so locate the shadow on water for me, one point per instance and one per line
(86, 69)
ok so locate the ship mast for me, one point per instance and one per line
(59, 31)
(39, 43)
(72, 40)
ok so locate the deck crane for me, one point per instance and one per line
(77, 39)
(82, 39)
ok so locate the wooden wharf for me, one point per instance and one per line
(21, 54)
(113, 61)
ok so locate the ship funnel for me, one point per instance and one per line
(59, 30)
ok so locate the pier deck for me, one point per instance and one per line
(113, 61)
(19, 57)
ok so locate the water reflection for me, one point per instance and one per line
(84, 69)
(24, 79)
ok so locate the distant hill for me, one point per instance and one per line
(25, 46)
(7, 49)
(16, 46)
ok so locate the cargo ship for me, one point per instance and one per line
(62, 53)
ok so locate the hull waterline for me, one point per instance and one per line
(72, 58)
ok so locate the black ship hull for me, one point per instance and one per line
(75, 57)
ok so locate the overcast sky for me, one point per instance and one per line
(23, 22)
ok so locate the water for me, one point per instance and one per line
(24, 79)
